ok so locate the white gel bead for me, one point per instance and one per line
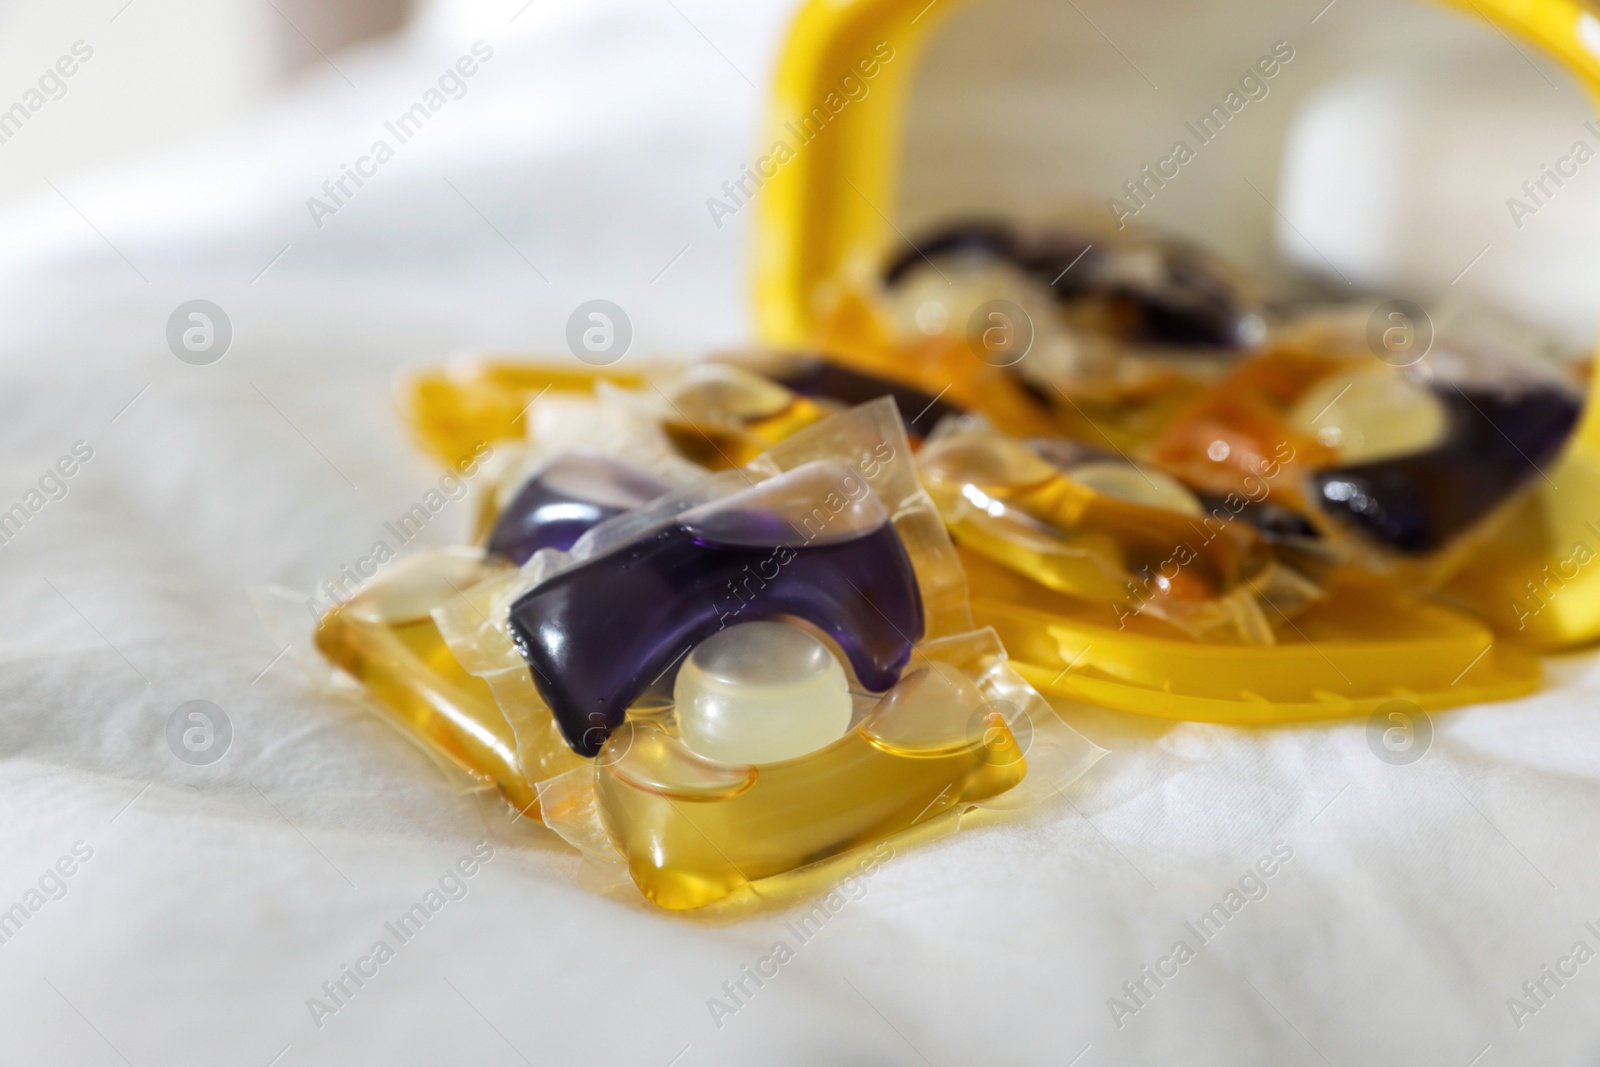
(760, 692)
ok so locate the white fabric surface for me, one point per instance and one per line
(1417, 900)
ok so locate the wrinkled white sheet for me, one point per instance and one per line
(217, 900)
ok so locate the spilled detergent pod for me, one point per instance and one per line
(783, 665)
(1147, 290)
(454, 410)
(1404, 461)
(1493, 442)
(596, 635)
(1122, 538)
(693, 830)
(566, 498)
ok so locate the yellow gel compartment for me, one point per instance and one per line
(1346, 655)
(693, 830)
(721, 416)
(386, 640)
(961, 731)
(452, 410)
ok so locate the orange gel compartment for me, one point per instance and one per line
(960, 730)
(1126, 538)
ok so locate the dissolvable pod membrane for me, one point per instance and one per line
(381, 647)
(1114, 534)
(563, 499)
(780, 654)
(1145, 350)
(716, 414)
(959, 730)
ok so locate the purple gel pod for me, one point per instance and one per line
(570, 494)
(1496, 442)
(802, 544)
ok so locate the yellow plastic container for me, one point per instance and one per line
(824, 227)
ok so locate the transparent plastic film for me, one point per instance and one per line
(1362, 644)
(720, 415)
(381, 647)
(472, 400)
(554, 502)
(1122, 538)
(831, 527)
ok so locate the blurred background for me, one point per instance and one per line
(177, 69)
(1385, 156)
(186, 156)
